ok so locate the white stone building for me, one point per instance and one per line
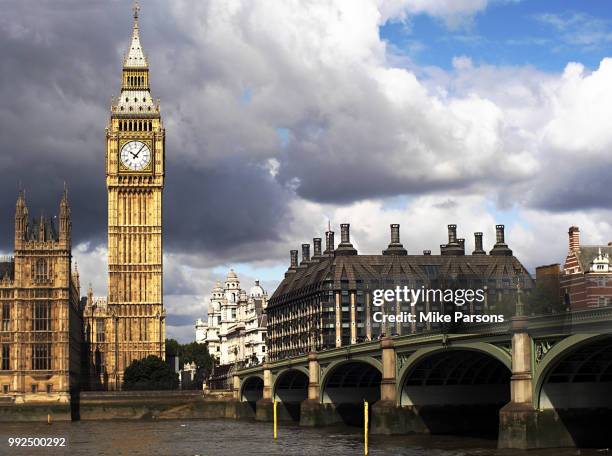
(235, 329)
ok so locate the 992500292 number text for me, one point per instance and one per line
(37, 441)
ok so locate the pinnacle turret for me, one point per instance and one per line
(135, 57)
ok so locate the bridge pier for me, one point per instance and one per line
(312, 412)
(387, 417)
(521, 425)
(264, 409)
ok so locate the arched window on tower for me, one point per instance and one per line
(40, 270)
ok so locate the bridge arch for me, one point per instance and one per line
(251, 389)
(488, 349)
(560, 351)
(572, 385)
(455, 390)
(289, 382)
(290, 389)
(345, 384)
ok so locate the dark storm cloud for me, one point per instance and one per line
(575, 185)
(54, 84)
(61, 63)
(228, 206)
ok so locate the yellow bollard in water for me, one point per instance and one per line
(365, 428)
(49, 418)
(275, 420)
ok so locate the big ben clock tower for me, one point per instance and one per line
(135, 180)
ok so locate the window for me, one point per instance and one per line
(40, 271)
(5, 389)
(99, 329)
(41, 316)
(6, 357)
(6, 317)
(601, 301)
(49, 389)
(41, 356)
(34, 387)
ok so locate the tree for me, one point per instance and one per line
(197, 353)
(150, 373)
(173, 348)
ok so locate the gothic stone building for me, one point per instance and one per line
(586, 279)
(326, 300)
(40, 315)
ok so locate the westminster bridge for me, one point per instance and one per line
(535, 382)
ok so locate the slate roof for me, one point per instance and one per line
(33, 232)
(427, 268)
(588, 253)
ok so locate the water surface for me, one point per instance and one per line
(238, 438)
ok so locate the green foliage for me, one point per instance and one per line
(192, 352)
(150, 373)
(197, 353)
(173, 348)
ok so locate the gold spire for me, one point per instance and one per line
(135, 57)
(136, 9)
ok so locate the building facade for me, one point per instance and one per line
(98, 345)
(135, 155)
(235, 329)
(327, 300)
(41, 328)
(586, 279)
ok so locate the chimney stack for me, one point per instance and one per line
(499, 234)
(293, 264)
(574, 238)
(316, 242)
(329, 243)
(345, 247)
(453, 247)
(452, 234)
(395, 247)
(305, 255)
(345, 234)
(426, 252)
(461, 242)
(500, 247)
(478, 250)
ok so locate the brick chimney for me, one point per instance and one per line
(316, 242)
(574, 238)
(345, 247)
(395, 247)
(329, 243)
(478, 250)
(305, 255)
(454, 246)
(500, 247)
(294, 263)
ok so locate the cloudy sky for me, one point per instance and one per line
(281, 116)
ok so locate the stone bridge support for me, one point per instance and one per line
(312, 411)
(521, 424)
(385, 413)
(265, 410)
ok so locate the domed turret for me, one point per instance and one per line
(257, 291)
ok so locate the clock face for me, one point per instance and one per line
(135, 155)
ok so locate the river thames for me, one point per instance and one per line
(228, 438)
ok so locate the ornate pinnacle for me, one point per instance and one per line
(136, 9)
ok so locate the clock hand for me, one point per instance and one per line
(138, 153)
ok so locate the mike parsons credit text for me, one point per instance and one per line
(459, 297)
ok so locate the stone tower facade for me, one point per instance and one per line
(135, 181)
(40, 315)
